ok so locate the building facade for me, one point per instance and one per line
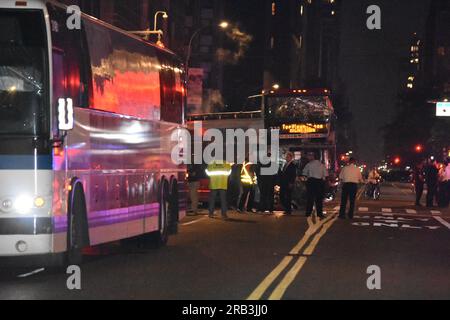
(302, 43)
(437, 49)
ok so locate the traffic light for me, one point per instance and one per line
(419, 148)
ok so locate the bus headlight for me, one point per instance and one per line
(39, 202)
(23, 204)
(7, 205)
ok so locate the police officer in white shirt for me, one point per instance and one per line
(316, 173)
(447, 183)
(350, 176)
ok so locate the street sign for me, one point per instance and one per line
(443, 109)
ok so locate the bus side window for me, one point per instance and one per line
(74, 48)
(85, 71)
(171, 103)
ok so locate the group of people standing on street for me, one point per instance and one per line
(239, 185)
(244, 185)
(436, 178)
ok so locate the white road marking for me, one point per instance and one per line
(443, 222)
(31, 273)
(337, 208)
(386, 210)
(435, 212)
(363, 209)
(275, 273)
(192, 222)
(411, 211)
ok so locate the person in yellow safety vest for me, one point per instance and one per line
(248, 181)
(218, 173)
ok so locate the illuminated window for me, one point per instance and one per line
(274, 8)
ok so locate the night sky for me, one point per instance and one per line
(370, 64)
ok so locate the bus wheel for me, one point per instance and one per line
(173, 209)
(160, 237)
(77, 232)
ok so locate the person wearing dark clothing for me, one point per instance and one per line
(431, 178)
(419, 181)
(288, 175)
(194, 175)
(234, 189)
(266, 183)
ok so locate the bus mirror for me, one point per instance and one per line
(65, 114)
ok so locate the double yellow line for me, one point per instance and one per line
(286, 281)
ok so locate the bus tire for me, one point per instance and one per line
(77, 226)
(173, 209)
(160, 237)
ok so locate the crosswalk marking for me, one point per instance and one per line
(390, 211)
(443, 222)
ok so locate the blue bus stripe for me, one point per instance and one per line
(25, 162)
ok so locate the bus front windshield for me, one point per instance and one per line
(298, 108)
(22, 73)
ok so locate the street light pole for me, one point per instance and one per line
(223, 25)
(146, 33)
(155, 30)
(189, 50)
(165, 16)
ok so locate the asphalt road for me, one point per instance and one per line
(270, 257)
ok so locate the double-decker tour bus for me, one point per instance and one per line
(86, 118)
(305, 118)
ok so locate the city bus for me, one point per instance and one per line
(87, 118)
